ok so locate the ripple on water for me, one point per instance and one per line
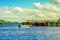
(32, 33)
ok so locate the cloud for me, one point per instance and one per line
(56, 2)
(19, 9)
(38, 5)
(40, 12)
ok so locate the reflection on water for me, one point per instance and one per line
(13, 32)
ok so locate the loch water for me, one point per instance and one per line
(13, 32)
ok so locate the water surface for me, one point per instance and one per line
(13, 32)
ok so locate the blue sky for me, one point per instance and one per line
(21, 10)
(20, 3)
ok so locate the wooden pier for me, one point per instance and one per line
(43, 23)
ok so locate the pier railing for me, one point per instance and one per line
(43, 23)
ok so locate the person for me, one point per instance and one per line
(19, 25)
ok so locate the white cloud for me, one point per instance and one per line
(56, 2)
(19, 9)
(7, 12)
(42, 11)
(38, 5)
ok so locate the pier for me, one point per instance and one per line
(42, 22)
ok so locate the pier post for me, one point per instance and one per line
(49, 24)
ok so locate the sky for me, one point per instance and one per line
(22, 10)
(20, 3)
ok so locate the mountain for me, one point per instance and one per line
(7, 22)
